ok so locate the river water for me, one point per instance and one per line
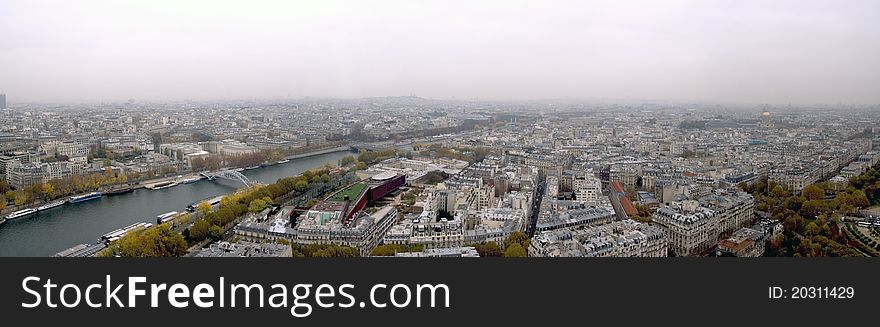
(48, 232)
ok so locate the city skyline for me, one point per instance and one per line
(311, 138)
(816, 52)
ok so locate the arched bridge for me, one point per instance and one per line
(228, 174)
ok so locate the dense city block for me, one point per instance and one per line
(408, 176)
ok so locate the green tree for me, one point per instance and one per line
(794, 203)
(199, 230)
(257, 205)
(515, 250)
(215, 233)
(347, 160)
(301, 185)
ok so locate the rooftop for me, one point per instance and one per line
(350, 193)
(386, 175)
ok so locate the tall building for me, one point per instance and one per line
(2, 101)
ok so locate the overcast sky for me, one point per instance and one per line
(727, 51)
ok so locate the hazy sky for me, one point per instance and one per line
(743, 51)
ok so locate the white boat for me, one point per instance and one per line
(21, 213)
(161, 185)
(84, 197)
(284, 161)
(166, 217)
(50, 205)
(119, 233)
(191, 180)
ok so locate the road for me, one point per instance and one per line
(536, 210)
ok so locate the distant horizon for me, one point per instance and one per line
(779, 52)
(573, 100)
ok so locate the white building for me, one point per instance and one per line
(692, 227)
(625, 238)
(78, 147)
(587, 188)
(363, 232)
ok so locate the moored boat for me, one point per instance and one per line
(166, 217)
(161, 185)
(191, 180)
(120, 191)
(50, 205)
(119, 233)
(20, 213)
(211, 201)
(84, 197)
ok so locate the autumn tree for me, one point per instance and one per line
(515, 250)
(258, 205)
(199, 230)
(159, 241)
(47, 191)
(857, 199)
(518, 237)
(488, 249)
(204, 208)
(388, 250)
(813, 192)
(21, 197)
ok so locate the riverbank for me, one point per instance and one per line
(47, 233)
(175, 179)
(319, 152)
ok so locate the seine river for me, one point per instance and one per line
(48, 232)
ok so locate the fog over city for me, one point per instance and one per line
(775, 52)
